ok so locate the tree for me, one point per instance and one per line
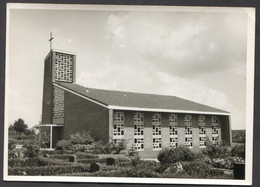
(20, 126)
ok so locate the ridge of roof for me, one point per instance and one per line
(101, 99)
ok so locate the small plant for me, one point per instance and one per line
(135, 160)
(32, 151)
(81, 138)
(181, 153)
(238, 151)
(215, 151)
(132, 151)
(11, 144)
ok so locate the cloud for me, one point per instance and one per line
(187, 45)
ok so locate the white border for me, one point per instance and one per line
(249, 100)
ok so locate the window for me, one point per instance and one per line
(188, 142)
(157, 137)
(157, 143)
(202, 131)
(138, 131)
(173, 129)
(173, 142)
(63, 67)
(215, 130)
(138, 117)
(118, 130)
(157, 130)
(139, 143)
(188, 130)
(202, 142)
(215, 140)
(156, 118)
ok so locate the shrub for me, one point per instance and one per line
(48, 170)
(117, 147)
(132, 151)
(238, 151)
(181, 153)
(22, 162)
(141, 172)
(11, 144)
(32, 151)
(80, 147)
(135, 160)
(81, 138)
(216, 151)
(63, 145)
(200, 170)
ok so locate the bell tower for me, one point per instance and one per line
(59, 66)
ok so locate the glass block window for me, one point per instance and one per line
(156, 117)
(173, 142)
(157, 132)
(138, 116)
(118, 116)
(202, 142)
(215, 140)
(173, 130)
(215, 129)
(202, 131)
(139, 143)
(63, 67)
(118, 130)
(157, 143)
(188, 142)
(173, 118)
(188, 130)
(58, 103)
(138, 130)
(188, 124)
(173, 125)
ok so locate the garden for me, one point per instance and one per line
(81, 155)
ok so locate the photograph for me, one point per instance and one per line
(129, 94)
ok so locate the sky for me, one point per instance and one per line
(200, 56)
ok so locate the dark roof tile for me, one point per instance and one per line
(140, 100)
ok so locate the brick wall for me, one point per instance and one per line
(47, 92)
(81, 114)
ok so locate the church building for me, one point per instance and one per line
(148, 122)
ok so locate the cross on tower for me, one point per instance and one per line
(50, 40)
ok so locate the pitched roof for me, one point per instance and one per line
(138, 100)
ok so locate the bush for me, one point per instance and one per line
(11, 144)
(141, 173)
(48, 170)
(80, 147)
(135, 160)
(200, 170)
(238, 151)
(22, 162)
(216, 151)
(81, 138)
(63, 145)
(32, 151)
(181, 153)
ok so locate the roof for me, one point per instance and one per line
(122, 99)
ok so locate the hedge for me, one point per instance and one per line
(48, 170)
(79, 156)
(35, 162)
